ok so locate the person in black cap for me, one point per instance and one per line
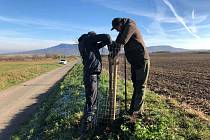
(136, 53)
(89, 45)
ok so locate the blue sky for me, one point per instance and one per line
(34, 24)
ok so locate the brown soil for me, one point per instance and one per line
(184, 76)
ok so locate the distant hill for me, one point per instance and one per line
(5, 51)
(165, 48)
(72, 49)
(65, 49)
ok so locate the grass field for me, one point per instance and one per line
(12, 73)
(60, 114)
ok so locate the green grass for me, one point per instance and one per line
(59, 116)
(12, 73)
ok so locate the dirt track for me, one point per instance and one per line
(19, 102)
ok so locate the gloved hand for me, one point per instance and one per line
(111, 46)
(114, 49)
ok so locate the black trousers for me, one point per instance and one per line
(91, 91)
(139, 78)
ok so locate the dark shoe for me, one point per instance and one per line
(88, 122)
(135, 115)
(131, 125)
(84, 127)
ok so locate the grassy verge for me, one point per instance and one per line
(59, 117)
(12, 73)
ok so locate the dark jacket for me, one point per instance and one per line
(134, 46)
(89, 46)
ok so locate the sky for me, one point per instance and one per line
(35, 24)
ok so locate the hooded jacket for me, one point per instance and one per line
(89, 46)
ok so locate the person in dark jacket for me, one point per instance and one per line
(136, 53)
(89, 45)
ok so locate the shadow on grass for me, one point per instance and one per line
(23, 116)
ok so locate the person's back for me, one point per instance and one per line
(89, 45)
(130, 36)
(90, 55)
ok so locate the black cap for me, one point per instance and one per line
(116, 22)
(91, 33)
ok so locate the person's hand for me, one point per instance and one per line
(114, 49)
(111, 46)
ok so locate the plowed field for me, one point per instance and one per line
(184, 76)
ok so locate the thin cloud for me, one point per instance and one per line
(41, 24)
(194, 30)
(37, 22)
(193, 14)
(157, 29)
(52, 26)
(129, 10)
(117, 5)
(180, 19)
(29, 43)
(198, 27)
(10, 33)
(186, 43)
(49, 24)
(146, 29)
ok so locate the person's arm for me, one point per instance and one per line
(99, 45)
(100, 40)
(126, 34)
(114, 49)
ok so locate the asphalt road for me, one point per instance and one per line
(19, 102)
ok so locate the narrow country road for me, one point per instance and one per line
(19, 102)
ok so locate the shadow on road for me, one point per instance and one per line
(23, 116)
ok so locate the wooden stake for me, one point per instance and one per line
(113, 67)
(116, 62)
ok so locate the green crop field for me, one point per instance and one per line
(59, 116)
(12, 73)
